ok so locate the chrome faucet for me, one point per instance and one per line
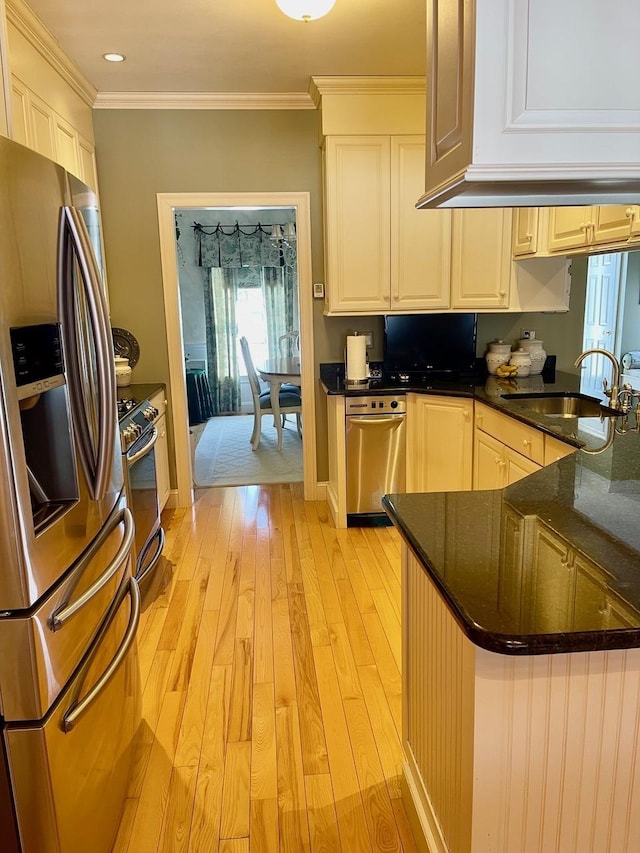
(613, 392)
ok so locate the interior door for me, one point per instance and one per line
(600, 316)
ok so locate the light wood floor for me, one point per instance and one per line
(271, 684)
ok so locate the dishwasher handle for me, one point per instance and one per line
(375, 420)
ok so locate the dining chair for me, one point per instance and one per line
(289, 344)
(290, 401)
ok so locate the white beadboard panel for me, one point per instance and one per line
(557, 752)
(438, 700)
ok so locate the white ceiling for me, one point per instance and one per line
(233, 46)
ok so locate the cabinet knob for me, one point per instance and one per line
(629, 213)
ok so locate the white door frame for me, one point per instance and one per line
(167, 203)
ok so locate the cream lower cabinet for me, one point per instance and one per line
(481, 267)
(381, 253)
(439, 443)
(495, 465)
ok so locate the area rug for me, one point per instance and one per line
(223, 454)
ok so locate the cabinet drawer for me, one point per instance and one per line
(555, 449)
(526, 440)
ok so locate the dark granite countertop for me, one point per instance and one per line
(550, 564)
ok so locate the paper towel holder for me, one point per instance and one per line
(361, 381)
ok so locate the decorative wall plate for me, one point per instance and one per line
(125, 345)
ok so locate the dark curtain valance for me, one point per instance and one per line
(245, 246)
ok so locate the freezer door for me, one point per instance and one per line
(39, 650)
(70, 775)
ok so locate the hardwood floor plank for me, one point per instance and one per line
(205, 824)
(386, 663)
(264, 776)
(353, 622)
(195, 710)
(377, 805)
(265, 832)
(283, 668)
(391, 623)
(175, 617)
(188, 636)
(323, 822)
(387, 736)
(234, 845)
(292, 814)
(241, 691)
(225, 635)
(121, 843)
(314, 748)
(404, 828)
(234, 817)
(263, 621)
(177, 820)
(149, 819)
(246, 587)
(349, 808)
(345, 664)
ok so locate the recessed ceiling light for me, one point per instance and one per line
(114, 57)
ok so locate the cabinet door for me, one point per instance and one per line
(612, 224)
(488, 462)
(66, 145)
(357, 185)
(517, 466)
(555, 449)
(439, 443)
(481, 258)
(525, 231)
(87, 160)
(420, 239)
(450, 49)
(633, 212)
(551, 608)
(591, 602)
(162, 462)
(42, 123)
(570, 227)
(20, 129)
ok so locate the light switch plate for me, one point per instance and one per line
(318, 290)
(369, 337)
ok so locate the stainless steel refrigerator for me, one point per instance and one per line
(69, 606)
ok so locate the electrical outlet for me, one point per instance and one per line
(527, 334)
(369, 337)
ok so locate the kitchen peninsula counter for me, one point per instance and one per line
(521, 657)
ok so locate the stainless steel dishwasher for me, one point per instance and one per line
(375, 449)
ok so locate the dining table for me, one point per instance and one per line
(277, 372)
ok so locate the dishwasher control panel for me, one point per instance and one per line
(378, 404)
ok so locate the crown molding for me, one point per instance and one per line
(203, 101)
(320, 86)
(32, 28)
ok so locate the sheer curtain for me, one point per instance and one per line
(234, 258)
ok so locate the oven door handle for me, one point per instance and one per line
(63, 614)
(75, 711)
(148, 446)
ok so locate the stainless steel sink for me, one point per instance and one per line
(561, 405)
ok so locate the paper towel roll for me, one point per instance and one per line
(356, 367)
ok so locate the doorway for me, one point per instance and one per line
(600, 330)
(237, 272)
(167, 206)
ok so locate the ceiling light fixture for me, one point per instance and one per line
(305, 10)
(114, 57)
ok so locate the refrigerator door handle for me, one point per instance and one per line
(74, 241)
(64, 612)
(77, 708)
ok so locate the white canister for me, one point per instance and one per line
(499, 354)
(123, 371)
(521, 359)
(536, 353)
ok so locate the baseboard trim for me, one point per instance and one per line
(422, 818)
(321, 491)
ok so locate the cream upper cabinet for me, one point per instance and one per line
(357, 223)
(381, 253)
(525, 231)
(515, 114)
(588, 228)
(480, 260)
(420, 239)
(569, 227)
(439, 443)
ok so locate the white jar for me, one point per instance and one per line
(522, 360)
(536, 353)
(499, 354)
(123, 371)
